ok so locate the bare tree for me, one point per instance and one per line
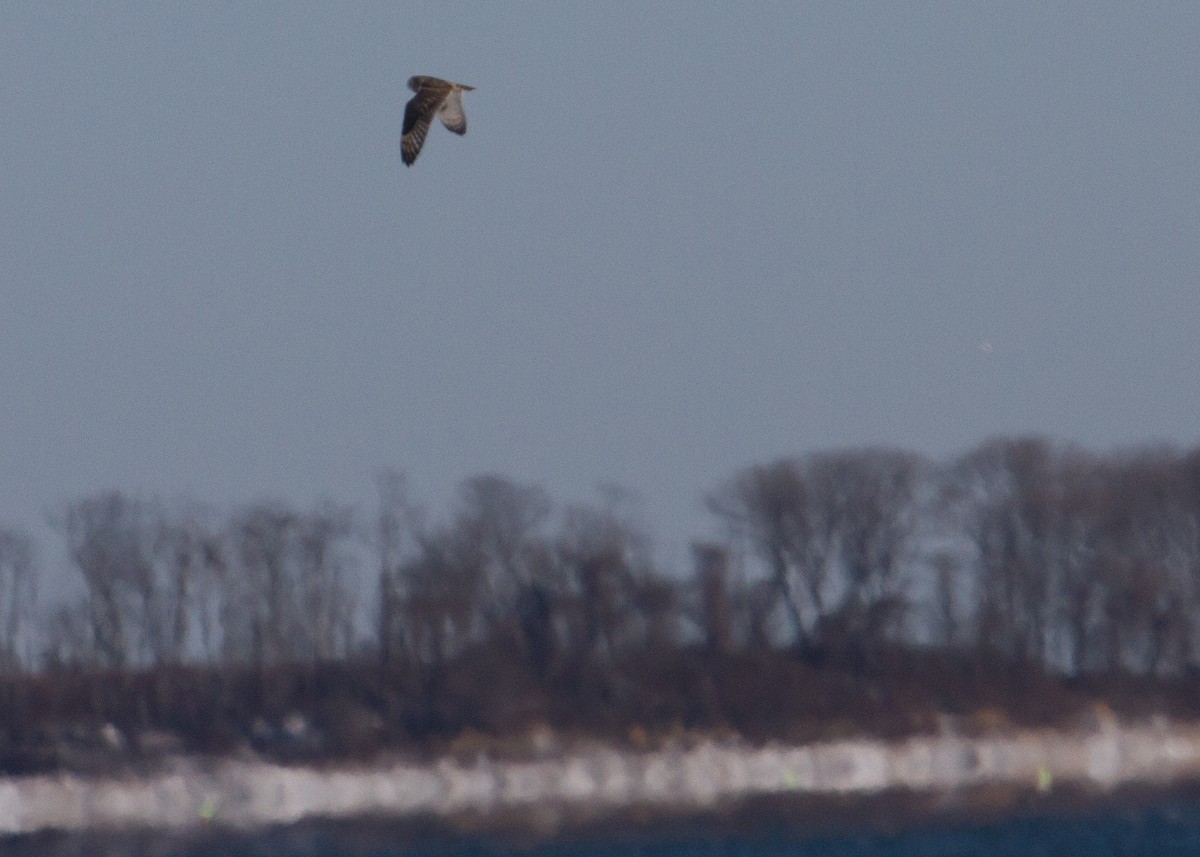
(391, 523)
(109, 540)
(947, 571)
(17, 594)
(260, 610)
(1076, 540)
(834, 531)
(712, 573)
(769, 507)
(211, 553)
(1007, 487)
(326, 610)
(502, 521)
(442, 590)
(68, 637)
(1149, 563)
(181, 547)
(872, 506)
(291, 601)
(607, 552)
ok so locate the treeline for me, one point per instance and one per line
(1023, 554)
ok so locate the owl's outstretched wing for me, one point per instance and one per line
(418, 114)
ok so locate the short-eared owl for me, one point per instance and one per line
(434, 97)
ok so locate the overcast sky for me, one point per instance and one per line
(678, 238)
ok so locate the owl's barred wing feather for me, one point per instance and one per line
(412, 140)
(418, 114)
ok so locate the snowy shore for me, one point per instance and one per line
(246, 794)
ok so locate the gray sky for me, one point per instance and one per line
(679, 238)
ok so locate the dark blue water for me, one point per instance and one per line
(1158, 832)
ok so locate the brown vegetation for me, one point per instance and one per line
(854, 591)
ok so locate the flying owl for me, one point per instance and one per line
(434, 97)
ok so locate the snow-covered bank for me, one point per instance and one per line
(248, 794)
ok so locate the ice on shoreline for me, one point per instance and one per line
(250, 794)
